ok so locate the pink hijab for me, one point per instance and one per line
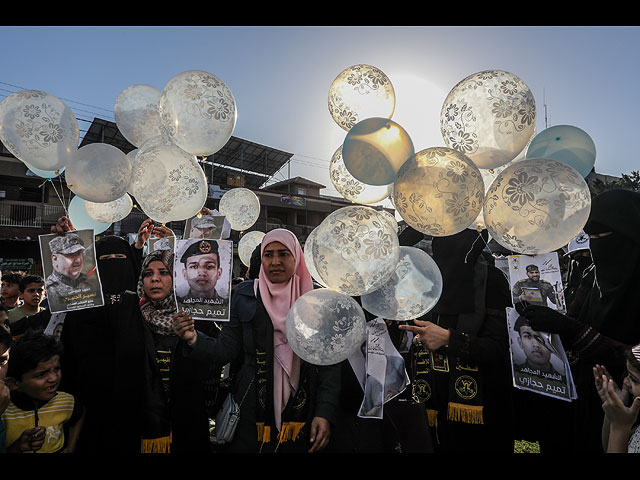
(278, 299)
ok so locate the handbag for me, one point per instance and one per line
(227, 418)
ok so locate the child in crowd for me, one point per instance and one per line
(4, 318)
(5, 345)
(32, 293)
(10, 291)
(620, 432)
(39, 418)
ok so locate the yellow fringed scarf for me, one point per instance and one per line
(157, 445)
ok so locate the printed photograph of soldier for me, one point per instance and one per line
(211, 225)
(533, 289)
(539, 363)
(537, 279)
(202, 272)
(71, 271)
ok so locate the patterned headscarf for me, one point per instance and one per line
(158, 314)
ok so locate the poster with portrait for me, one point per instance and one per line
(538, 360)
(71, 271)
(206, 226)
(202, 277)
(166, 243)
(536, 279)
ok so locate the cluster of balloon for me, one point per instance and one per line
(241, 207)
(439, 191)
(194, 115)
(489, 116)
(247, 245)
(325, 327)
(362, 101)
(355, 250)
(536, 205)
(413, 290)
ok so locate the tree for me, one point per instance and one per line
(629, 181)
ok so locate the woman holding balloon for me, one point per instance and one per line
(286, 404)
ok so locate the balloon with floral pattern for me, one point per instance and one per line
(355, 250)
(536, 205)
(489, 116)
(325, 327)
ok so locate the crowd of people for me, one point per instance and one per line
(135, 375)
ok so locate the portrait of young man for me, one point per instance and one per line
(202, 271)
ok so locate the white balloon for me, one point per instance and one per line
(110, 212)
(199, 112)
(325, 327)
(359, 92)
(489, 116)
(308, 258)
(38, 129)
(137, 115)
(168, 182)
(241, 207)
(439, 191)
(413, 289)
(355, 250)
(98, 172)
(536, 205)
(248, 244)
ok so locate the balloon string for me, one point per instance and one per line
(58, 195)
(474, 242)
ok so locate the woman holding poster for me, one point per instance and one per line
(286, 404)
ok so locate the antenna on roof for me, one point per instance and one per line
(544, 101)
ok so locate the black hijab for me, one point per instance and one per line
(614, 303)
(456, 256)
(116, 274)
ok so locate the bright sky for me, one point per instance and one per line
(280, 76)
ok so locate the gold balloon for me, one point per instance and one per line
(536, 205)
(489, 116)
(374, 150)
(439, 191)
(350, 188)
(359, 92)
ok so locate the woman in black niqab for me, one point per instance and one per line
(471, 313)
(609, 320)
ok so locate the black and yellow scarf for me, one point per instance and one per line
(295, 414)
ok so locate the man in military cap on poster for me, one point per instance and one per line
(67, 280)
(206, 226)
(202, 270)
(533, 289)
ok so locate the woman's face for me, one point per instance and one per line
(157, 280)
(278, 262)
